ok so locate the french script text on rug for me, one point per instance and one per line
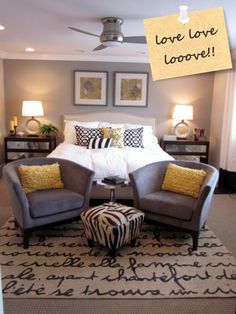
(59, 264)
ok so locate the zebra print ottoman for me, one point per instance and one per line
(112, 226)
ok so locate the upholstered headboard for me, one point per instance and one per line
(112, 117)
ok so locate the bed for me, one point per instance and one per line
(84, 132)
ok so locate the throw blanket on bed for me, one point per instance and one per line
(111, 161)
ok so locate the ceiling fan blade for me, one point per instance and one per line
(84, 32)
(100, 47)
(135, 40)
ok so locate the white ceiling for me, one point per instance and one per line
(43, 25)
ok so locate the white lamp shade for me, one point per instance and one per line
(183, 112)
(32, 108)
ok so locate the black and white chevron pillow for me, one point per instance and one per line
(133, 137)
(84, 135)
(97, 142)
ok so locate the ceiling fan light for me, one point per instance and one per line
(111, 43)
(111, 35)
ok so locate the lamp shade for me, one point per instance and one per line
(32, 108)
(183, 112)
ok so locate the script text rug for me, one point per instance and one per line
(59, 264)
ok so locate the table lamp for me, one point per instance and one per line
(182, 112)
(32, 108)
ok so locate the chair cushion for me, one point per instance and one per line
(50, 202)
(40, 177)
(183, 180)
(168, 204)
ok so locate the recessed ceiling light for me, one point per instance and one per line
(2, 27)
(29, 49)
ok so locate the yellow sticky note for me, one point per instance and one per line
(177, 49)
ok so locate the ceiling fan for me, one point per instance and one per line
(111, 35)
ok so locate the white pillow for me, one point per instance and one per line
(111, 125)
(149, 139)
(69, 130)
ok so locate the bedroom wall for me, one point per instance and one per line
(217, 114)
(219, 111)
(52, 82)
(2, 114)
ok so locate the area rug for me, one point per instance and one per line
(59, 264)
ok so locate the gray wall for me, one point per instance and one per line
(52, 82)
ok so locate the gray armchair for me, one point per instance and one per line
(184, 212)
(45, 207)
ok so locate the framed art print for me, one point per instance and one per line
(131, 89)
(90, 88)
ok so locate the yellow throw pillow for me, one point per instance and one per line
(183, 180)
(117, 136)
(40, 177)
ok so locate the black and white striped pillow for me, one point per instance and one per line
(133, 137)
(97, 142)
(84, 135)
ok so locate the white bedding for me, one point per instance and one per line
(110, 161)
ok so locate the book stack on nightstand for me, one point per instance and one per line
(187, 149)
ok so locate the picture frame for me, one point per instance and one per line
(90, 88)
(131, 89)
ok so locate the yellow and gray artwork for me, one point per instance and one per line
(90, 88)
(131, 89)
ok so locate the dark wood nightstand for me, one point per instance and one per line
(17, 147)
(179, 148)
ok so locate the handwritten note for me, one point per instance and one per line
(177, 49)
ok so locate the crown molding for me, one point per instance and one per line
(34, 56)
(56, 57)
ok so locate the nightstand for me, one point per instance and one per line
(178, 148)
(17, 147)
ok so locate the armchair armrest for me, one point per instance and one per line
(21, 195)
(77, 178)
(147, 179)
(204, 200)
(19, 202)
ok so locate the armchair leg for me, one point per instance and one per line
(195, 236)
(16, 223)
(26, 235)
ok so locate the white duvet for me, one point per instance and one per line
(110, 161)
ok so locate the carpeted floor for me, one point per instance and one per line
(72, 306)
(59, 264)
(222, 220)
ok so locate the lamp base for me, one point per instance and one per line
(32, 127)
(182, 130)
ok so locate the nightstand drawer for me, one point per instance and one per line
(169, 148)
(197, 149)
(17, 147)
